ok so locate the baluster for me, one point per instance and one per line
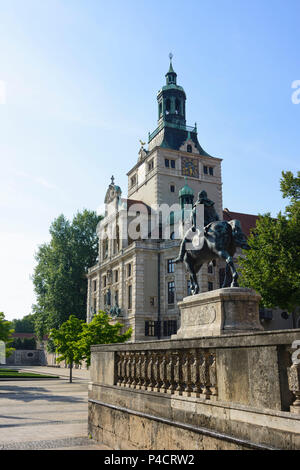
(213, 375)
(144, 371)
(118, 368)
(206, 392)
(178, 373)
(163, 373)
(156, 373)
(133, 371)
(128, 370)
(139, 371)
(170, 373)
(123, 367)
(195, 379)
(150, 381)
(186, 374)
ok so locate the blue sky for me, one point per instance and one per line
(81, 78)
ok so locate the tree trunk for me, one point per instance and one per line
(71, 368)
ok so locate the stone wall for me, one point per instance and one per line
(230, 392)
(22, 357)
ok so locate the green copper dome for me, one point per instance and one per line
(186, 191)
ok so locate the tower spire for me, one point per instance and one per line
(171, 75)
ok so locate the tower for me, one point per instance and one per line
(173, 154)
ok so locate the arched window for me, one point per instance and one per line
(160, 109)
(168, 106)
(177, 106)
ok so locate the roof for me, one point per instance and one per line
(27, 335)
(131, 202)
(186, 190)
(248, 221)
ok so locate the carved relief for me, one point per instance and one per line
(201, 315)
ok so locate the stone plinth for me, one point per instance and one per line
(214, 313)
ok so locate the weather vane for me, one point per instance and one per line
(171, 56)
(112, 180)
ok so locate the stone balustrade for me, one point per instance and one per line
(190, 372)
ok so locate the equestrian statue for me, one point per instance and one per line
(218, 239)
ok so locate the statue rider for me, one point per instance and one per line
(210, 215)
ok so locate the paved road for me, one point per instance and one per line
(44, 414)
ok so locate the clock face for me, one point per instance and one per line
(189, 167)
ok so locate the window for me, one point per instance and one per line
(94, 286)
(208, 170)
(170, 327)
(168, 106)
(129, 270)
(210, 269)
(189, 148)
(172, 188)
(129, 297)
(117, 297)
(169, 163)
(210, 286)
(171, 292)
(104, 281)
(152, 301)
(152, 328)
(105, 248)
(171, 266)
(116, 275)
(133, 180)
(150, 165)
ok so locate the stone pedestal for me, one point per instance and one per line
(214, 313)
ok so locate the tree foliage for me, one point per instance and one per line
(60, 274)
(66, 341)
(74, 338)
(24, 343)
(272, 265)
(6, 331)
(25, 324)
(101, 331)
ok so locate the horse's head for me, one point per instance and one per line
(239, 237)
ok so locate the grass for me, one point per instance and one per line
(19, 374)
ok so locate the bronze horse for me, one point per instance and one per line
(217, 240)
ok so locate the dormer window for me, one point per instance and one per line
(133, 181)
(150, 165)
(189, 148)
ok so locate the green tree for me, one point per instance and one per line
(6, 332)
(60, 274)
(25, 324)
(272, 265)
(66, 341)
(100, 331)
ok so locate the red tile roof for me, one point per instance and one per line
(248, 221)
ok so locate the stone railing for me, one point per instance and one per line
(190, 372)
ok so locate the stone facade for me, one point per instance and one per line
(137, 275)
(228, 392)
